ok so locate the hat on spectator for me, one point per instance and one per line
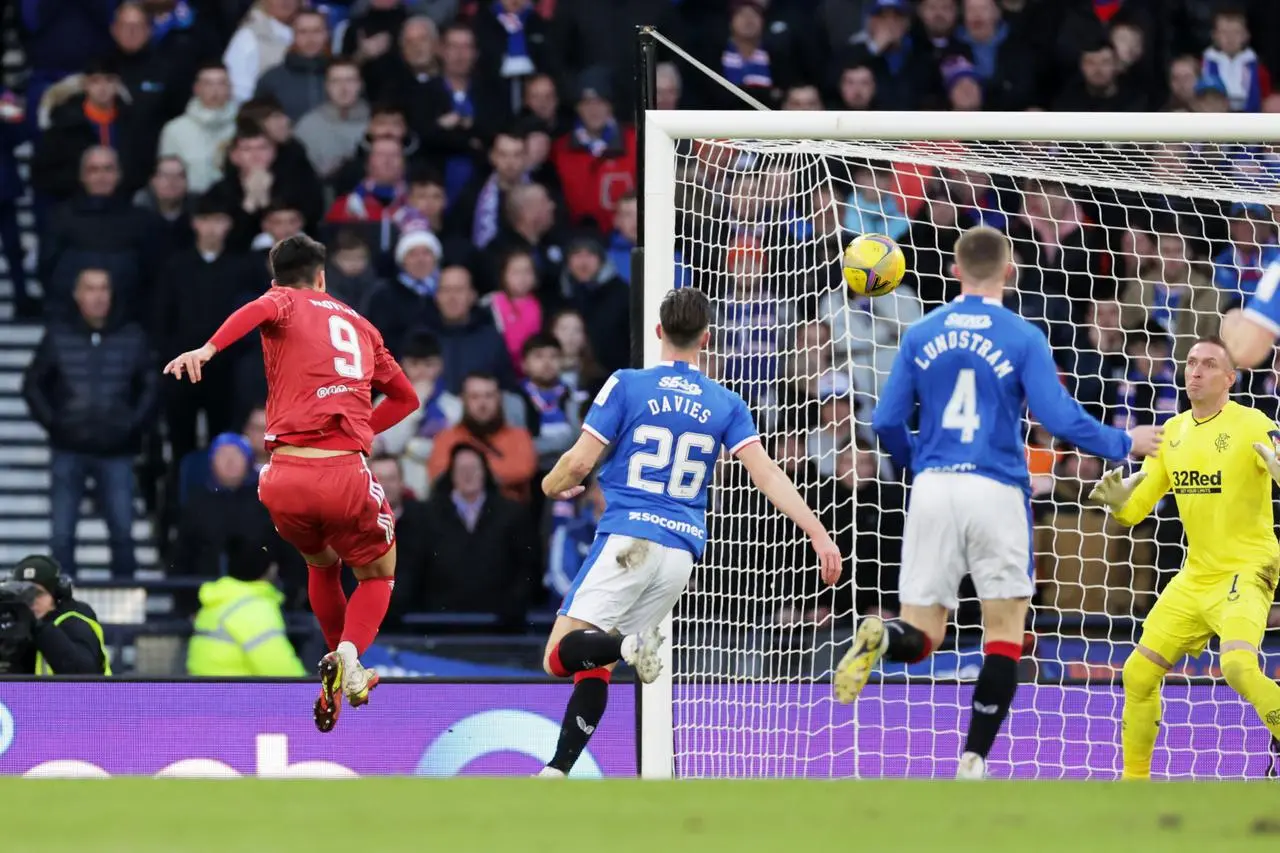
(1210, 83)
(834, 385)
(230, 439)
(1251, 208)
(957, 68)
(902, 7)
(585, 243)
(415, 239)
(594, 82)
(40, 570)
(735, 5)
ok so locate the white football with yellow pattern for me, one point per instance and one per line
(873, 265)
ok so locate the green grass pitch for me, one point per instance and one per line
(531, 815)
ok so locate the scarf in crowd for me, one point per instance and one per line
(421, 286)
(515, 60)
(389, 196)
(104, 122)
(548, 401)
(1105, 10)
(749, 70)
(484, 226)
(181, 17)
(458, 168)
(597, 145)
(434, 420)
(1164, 304)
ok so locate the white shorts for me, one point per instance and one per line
(965, 523)
(626, 584)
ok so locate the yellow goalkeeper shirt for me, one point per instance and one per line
(1222, 488)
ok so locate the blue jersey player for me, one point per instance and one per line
(660, 431)
(1250, 334)
(965, 373)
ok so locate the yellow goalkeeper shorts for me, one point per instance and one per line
(1191, 610)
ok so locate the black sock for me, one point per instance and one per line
(587, 649)
(907, 643)
(997, 682)
(581, 716)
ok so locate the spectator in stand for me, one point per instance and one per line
(938, 46)
(1095, 363)
(578, 366)
(260, 44)
(597, 159)
(198, 288)
(280, 221)
(516, 310)
(538, 139)
(590, 286)
(200, 135)
(255, 430)
(879, 517)
(412, 439)
(386, 122)
(1072, 542)
(167, 198)
(857, 86)
(1231, 60)
(407, 301)
(332, 131)
(226, 507)
(483, 556)
(424, 209)
(514, 42)
(930, 244)
(84, 112)
(92, 386)
(962, 85)
(573, 531)
(529, 226)
(803, 97)
(1165, 288)
(1211, 95)
(468, 338)
(98, 228)
(874, 207)
(253, 181)
(1251, 248)
(350, 276)
(147, 79)
(1054, 235)
(747, 325)
(550, 413)
(58, 37)
(291, 167)
(1149, 392)
(754, 59)
(887, 46)
(1184, 74)
(669, 86)
(478, 213)
(1137, 68)
(183, 40)
(542, 101)
(298, 82)
(508, 450)
(458, 115)
(835, 427)
(380, 194)
(371, 32)
(404, 80)
(626, 220)
(1099, 87)
(1006, 65)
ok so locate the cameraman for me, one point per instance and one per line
(67, 639)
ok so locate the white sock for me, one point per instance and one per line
(347, 651)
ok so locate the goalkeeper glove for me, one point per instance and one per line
(1114, 489)
(1268, 454)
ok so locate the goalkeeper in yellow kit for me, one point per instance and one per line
(1220, 459)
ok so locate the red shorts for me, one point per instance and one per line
(330, 500)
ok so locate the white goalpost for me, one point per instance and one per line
(1116, 221)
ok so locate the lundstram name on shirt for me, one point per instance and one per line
(667, 523)
(330, 390)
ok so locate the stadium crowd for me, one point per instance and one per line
(472, 168)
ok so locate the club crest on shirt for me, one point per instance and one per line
(1222, 442)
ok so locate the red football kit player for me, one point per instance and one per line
(323, 361)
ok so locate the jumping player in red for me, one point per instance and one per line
(323, 362)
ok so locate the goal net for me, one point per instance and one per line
(1126, 251)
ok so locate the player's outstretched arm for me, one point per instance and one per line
(241, 322)
(1248, 341)
(781, 492)
(564, 480)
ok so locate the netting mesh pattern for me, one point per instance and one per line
(1125, 254)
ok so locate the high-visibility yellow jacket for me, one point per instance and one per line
(239, 631)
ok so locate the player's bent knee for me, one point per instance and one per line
(1141, 675)
(1237, 666)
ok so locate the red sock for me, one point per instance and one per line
(1013, 651)
(328, 601)
(366, 610)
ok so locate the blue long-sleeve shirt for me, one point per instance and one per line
(967, 372)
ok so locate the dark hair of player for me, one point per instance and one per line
(982, 254)
(295, 261)
(685, 314)
(1220, 344)
(420, 346)
(542, 340)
